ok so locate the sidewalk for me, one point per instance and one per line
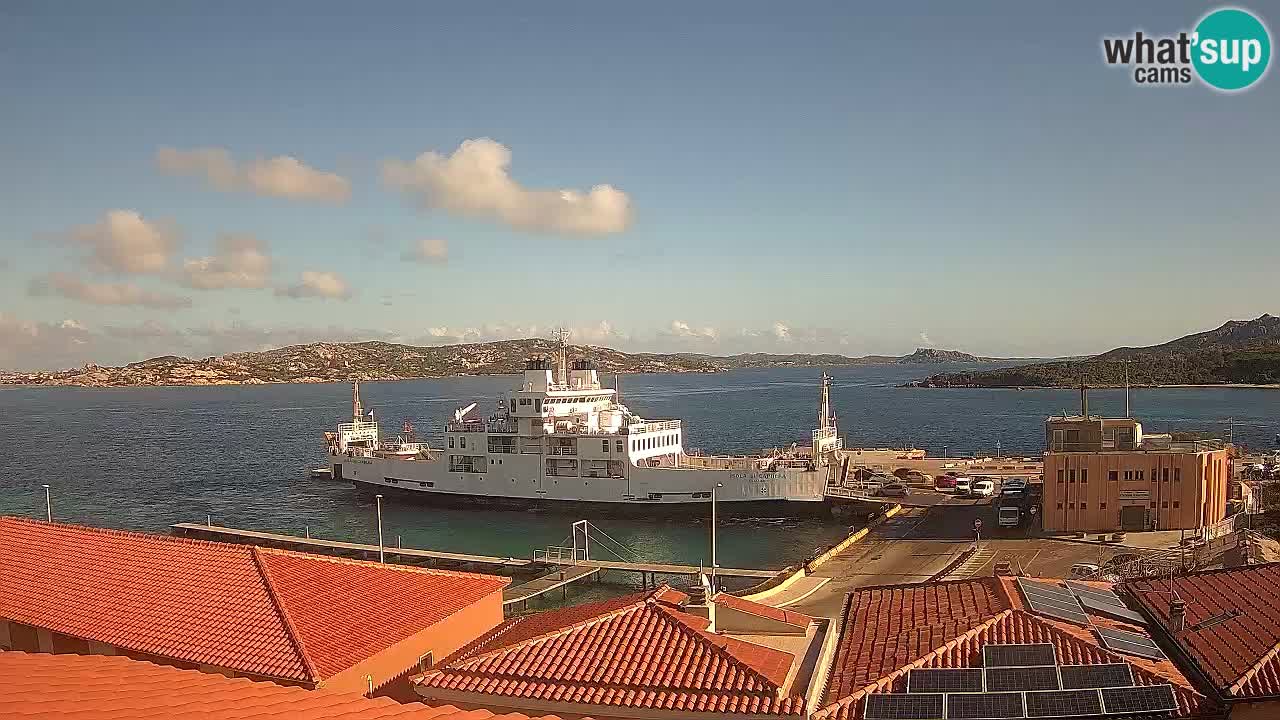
(1146, 540)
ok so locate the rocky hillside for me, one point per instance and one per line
(323, 362)
(924, 356)
(1239, 352)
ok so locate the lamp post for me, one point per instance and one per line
(714, 563)
(48, 505)
(382, 558)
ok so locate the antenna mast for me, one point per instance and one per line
(824, 405)
(562, 356)
(357, 412)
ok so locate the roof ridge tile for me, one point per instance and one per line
(289, 627)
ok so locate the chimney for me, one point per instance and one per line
(700, 604)
(1084, 400)
(1177, 615)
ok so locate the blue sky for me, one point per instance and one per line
(816, 177)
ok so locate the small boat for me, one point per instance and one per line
(322, 473)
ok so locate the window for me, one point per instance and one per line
(1176, 504)
(1138, 474)
(450, 442)
(1128, 474)
(537, 405)
(1084, 506)
(1164, 474)
(606, 446)
(1177, 474)
(1071, 475)
(619, 446)
(462, 442)
(1153, 504)
(1113, 475)
(1084, 475)
(1102, 506)
(513, 405)
(1059, 506)
(1061, 473)
(425, 662)
(1071, 506)
(1165, 504)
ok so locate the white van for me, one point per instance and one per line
(982, 488)
(963, 486)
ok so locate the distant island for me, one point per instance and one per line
(328, 362)
(1240, 352)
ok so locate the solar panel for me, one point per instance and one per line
(1100, 594)
(1063, 703)
(1074, 614)
(1041, 588)
(1019, 655)
(903, 706)
(1022, 678)
(984, 706)
(1106, 609)
(1153, 698)
(1095, 676)
(935, 680)
(1130, 643)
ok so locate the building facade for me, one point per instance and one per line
(1104, 475)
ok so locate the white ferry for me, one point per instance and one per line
(560, 438)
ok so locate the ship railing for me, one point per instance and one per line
(360, 426)
(655, 426)
(563, 450)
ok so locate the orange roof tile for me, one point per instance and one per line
(1240, 651)
(781, 615)
(266, 612)
(628, 652)
(97, 687)
(888, 630)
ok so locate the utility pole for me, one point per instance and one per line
(1126, 389)
(382, 557)
(714, 564)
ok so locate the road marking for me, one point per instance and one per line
(970, 567)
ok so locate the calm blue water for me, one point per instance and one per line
(145, 458)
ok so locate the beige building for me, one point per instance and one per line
(1103, 474)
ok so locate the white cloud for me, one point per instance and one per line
(684, 331)
(125, 242)
(282, 176)
(475, 181)
(240, 261)
(74, 288)
(317, 284)
(924, 338)
(428, 250)
(28, 345)
(782, 331)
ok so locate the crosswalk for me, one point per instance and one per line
(976, 562)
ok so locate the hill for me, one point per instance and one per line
(923, 356)
(1245, 352)
(325, 362)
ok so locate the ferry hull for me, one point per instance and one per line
(656, 492)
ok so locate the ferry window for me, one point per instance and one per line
(450, 441)
(1113, 475)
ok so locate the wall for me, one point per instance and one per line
(396, 664)
(1177, 490)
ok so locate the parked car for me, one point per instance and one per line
(982, 488)
(1080, 570)
(1013, 484)
(944, 482)
(963, 485)
(895, 490)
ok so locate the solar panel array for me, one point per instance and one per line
(1022, 681)
(1053, 601)
(1101, 601)
(1131, 643)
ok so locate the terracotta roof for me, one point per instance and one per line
(98, 687)
(266, 612)
(632, 652)
(888, 630)
(1240, 653)
(766, 611)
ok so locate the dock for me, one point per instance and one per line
(662, 568)
(556, 579)
(337, 547)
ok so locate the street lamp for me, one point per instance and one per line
(382, 558)
(714, 564)
(48, 506)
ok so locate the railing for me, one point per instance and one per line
(561, 450)
(656, 426)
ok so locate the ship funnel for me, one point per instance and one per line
(357, 411)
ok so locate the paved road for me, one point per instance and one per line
(918, 543)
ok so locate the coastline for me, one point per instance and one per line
(1170, 386)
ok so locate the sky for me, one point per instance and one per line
(200, 178)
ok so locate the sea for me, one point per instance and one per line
(239, 456)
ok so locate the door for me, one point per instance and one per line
(337, 471)
(1133, 518)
